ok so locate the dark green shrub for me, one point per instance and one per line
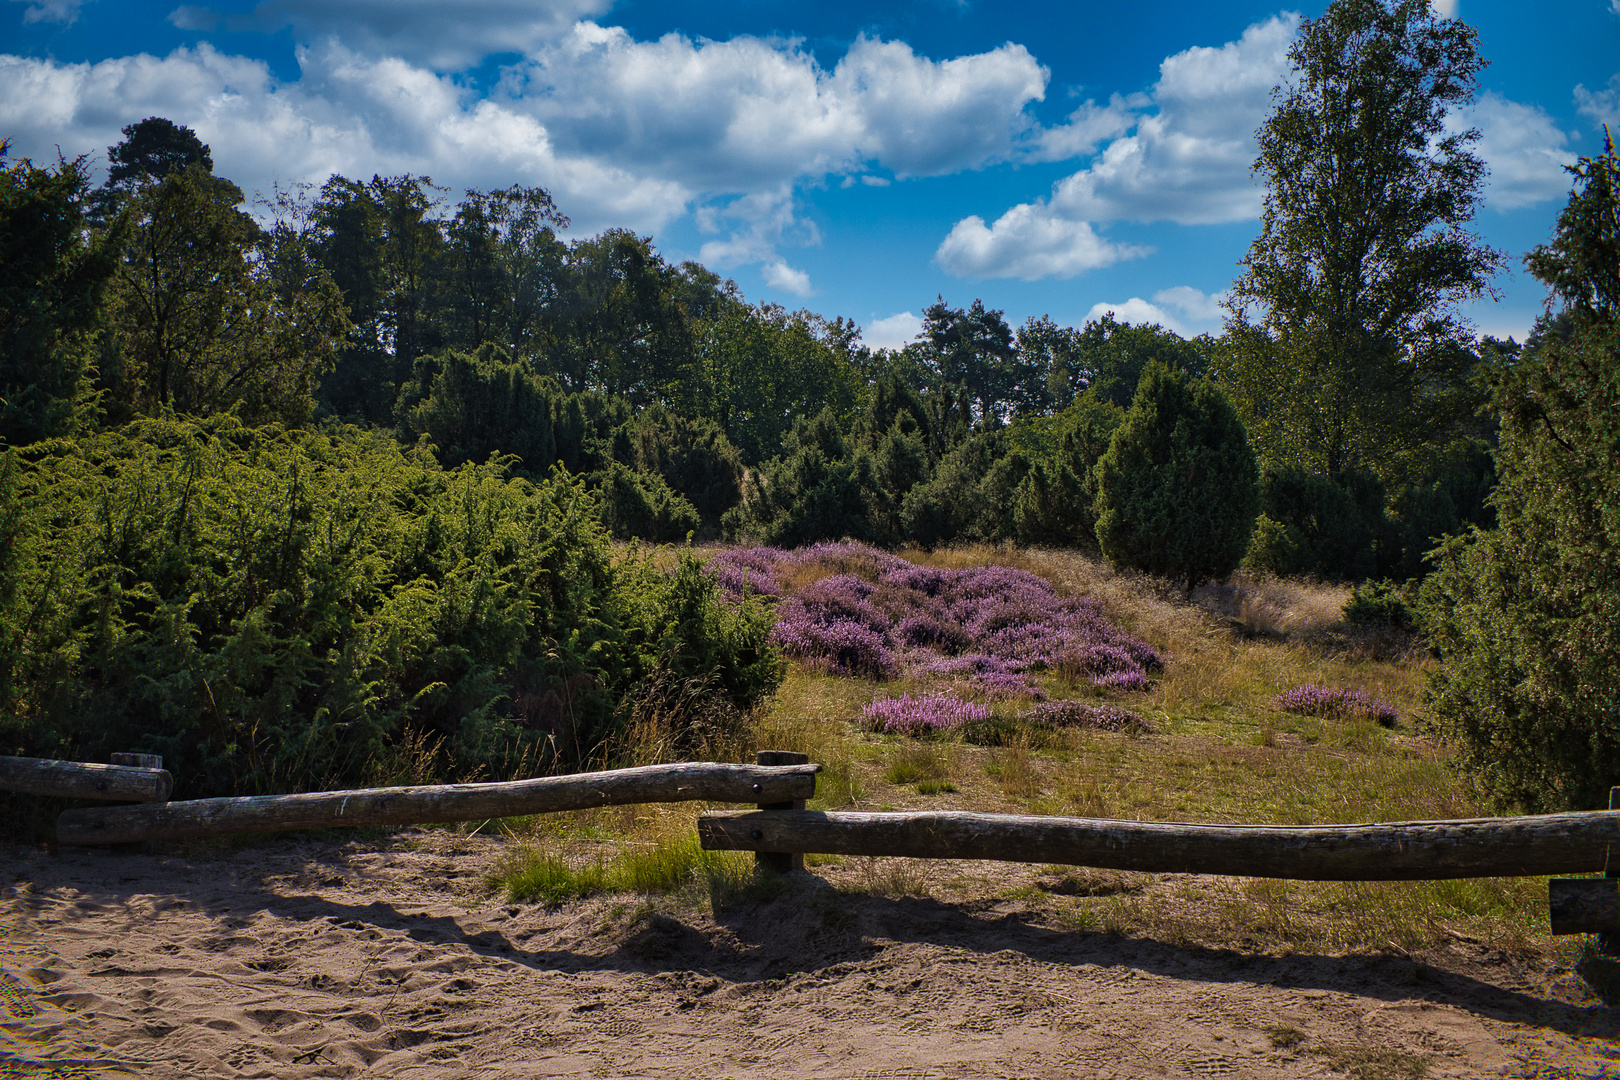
(817, 490)
(1178, 489)
(640, 506)
(1448, 497)
(1311, 525)
(470, 407)
(693, 457)
(972, 496)
(275, 610)
(1527, 615)
(1056, 499)
(1381, 603)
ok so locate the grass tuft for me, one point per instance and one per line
(1374, 1063)
(671, 865)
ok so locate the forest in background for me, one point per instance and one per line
(356, 458)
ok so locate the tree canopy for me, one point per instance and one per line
(1344, 328)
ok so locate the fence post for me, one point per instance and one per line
(1609, 943)
(780, 862)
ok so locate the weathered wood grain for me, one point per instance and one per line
(84, 780)
(780, 862)
(1394, 851)
(428, 804)
(1584, 905)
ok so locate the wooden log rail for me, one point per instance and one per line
(430, 804)
(85, 780)
(1394, 851)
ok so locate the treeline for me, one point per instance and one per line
(475, 327)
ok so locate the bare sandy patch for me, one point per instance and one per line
(390, 957)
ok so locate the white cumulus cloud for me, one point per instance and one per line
(746, 113)
(1028, 242)
(1524, 149)
(347, 114)
(438, 35)
(622, 132)
(779, 275)
(1137, 312)
(1188, 161)
(1197, 306)
(1601, 106)
(893, 331)
(1182, 310)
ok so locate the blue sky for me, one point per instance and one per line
(857, 160)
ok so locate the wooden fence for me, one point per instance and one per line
(780, 831)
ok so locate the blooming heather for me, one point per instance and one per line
(907, 715)
(1076, 714)
(1316, 700)
(866, 612)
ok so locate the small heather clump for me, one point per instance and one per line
(1314, 700)
(907, 715)
(1000, 687)
(1077, 714)
(872, 613)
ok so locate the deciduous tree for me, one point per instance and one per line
(1344, 321)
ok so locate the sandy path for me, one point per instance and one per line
(300, 958)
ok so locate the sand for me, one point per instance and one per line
(388, 957)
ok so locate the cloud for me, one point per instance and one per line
(1524, 149)
(1447, 9)
(1197, 306)
(622, 132)
(192, 17)
(779, 275)
(443, 37)
(748, 113)
(763, 222)
(1028, 242)
(1137, 312)
(1601, 106)
(922, 117)
(1199, 311)
(1189, 160)
(1086, 128)
(893, 331)
(347, 114)
(65, 12)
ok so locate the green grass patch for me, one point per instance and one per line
(678, 865)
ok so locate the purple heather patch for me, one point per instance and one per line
(1076, 714)
(1314, 700)
(875, 614)
(907, 715)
